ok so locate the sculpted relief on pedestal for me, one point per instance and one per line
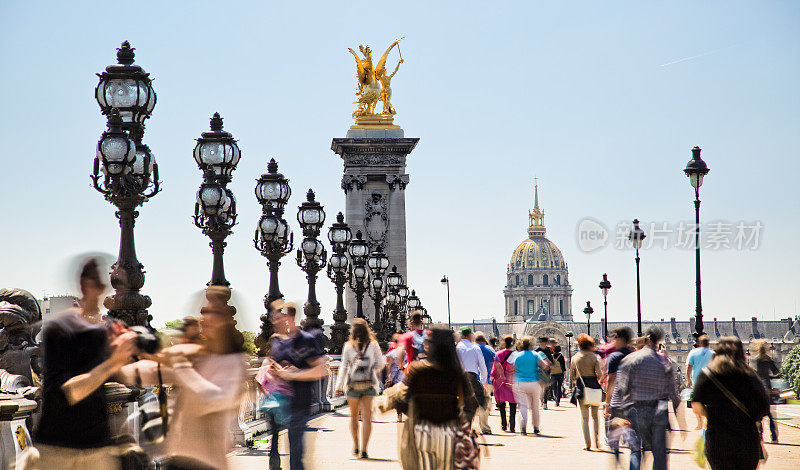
(376, 219)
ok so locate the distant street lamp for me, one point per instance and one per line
(402, 291)
(377, 262)
(311, 257)
(273, 237)
(339, 235)
(126, 173)
(359, 252)
(636, 236)
(588, 311)
(605, 286)
(217, 155)
(696, 169)
(446, 281)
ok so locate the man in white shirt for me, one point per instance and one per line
(474, 365)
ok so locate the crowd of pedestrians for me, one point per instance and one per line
(442, 385)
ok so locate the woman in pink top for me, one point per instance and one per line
(502, 379)
(210, 379)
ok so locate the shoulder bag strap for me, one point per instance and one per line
(725, 391)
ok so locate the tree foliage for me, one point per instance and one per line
(249, 343)
(174, 324)
(791, 369)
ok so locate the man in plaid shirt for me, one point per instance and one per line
(645, 384)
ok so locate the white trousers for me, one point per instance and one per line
(528, 396)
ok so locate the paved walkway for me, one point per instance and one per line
(560, 443)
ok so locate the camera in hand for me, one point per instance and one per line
(146, 339)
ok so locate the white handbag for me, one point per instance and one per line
(591, 396)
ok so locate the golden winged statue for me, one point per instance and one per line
(374, 84)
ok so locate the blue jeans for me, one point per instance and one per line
(650, 425)
(297, 427)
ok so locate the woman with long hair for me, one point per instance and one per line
(437, 389)
(731, 396)
(503, 378)
(527, 389)
(362, 360)
(585, 372)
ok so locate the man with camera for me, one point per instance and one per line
(80, 355)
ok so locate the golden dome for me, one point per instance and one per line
(536, 252)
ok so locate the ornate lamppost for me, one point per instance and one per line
(217, 155)
(393, 301)
(359, 252)
(273, 237)
(339, 272)
(588, 311)
(413, 301)
(402, 291)
(696, 169)
(569, 336)
(446, 281)
(636, 236)
(126, 173)
(311, 257)
(377, 264)
(605, 286)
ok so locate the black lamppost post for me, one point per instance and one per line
(696, 169)
(569, 336)
(588, 311)
(446, 281)
(217, 155)
(636, 236)
(605, 286)
(273, 237)
(339, 272)
(126, 173)
(377, 263)
(311, 257)
(359, 252)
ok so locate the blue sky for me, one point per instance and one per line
(576, 93)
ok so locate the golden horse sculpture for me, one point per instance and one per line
(374, 84)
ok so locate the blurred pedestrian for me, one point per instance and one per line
(646, 385)
(437, 389)
(621, 337)
(544, 348)
(502, 381)
(413, 340)
(494, 342)
(209, 379)
(300, 360)
(557, 374)
(586, 373)
(474, 364)
(358, 375)
(527, 387)
(190, 328)
(488, 358)
(698, 358)
(80, 355)
(766, 370)
(731, 396)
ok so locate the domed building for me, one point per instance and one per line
(537, 286)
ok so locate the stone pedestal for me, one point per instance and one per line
(374, 183)
(15, 439)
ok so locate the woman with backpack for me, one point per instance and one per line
(557, 374)
(502, 378)
(358, 380)
(528, 366)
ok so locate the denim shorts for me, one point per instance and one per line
(368, 392)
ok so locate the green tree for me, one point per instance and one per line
(791, 369)
(249, 343)
(174, 324)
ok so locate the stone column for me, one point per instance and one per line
(374, 183)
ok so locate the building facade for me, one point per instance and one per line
(55, 304)
(537, 279)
